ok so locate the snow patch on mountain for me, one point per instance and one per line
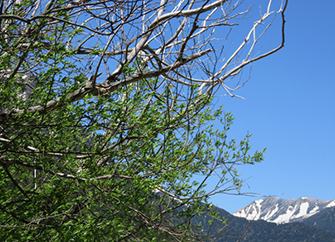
(280, 211)
(331, 204)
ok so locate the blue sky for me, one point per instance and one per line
(289, 108)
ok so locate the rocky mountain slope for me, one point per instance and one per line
(282, 211)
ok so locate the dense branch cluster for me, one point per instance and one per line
(106, 115)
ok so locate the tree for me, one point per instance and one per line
(107, 116)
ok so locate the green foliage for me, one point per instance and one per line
(104, 167)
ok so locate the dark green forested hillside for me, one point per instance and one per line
(325, 219)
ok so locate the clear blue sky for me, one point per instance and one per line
(289, 108)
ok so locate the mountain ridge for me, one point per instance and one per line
(281, 211)
(243, 230)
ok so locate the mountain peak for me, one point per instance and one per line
(278, 210)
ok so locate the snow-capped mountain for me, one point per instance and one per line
(281, 211)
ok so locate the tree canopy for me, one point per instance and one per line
(107, 116)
